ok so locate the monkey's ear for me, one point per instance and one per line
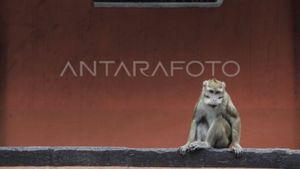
(224, 84)
(205, 82)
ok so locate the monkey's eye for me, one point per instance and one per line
(211, 91)
(218, 92)
(206, 96)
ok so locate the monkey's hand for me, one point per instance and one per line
(198, 145)
(183, 149)
(237, 149)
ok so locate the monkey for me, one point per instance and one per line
(216, 122)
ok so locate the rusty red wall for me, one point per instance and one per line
(38, 107)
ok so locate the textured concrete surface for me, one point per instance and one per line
(130, 157)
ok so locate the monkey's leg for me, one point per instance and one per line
(219, 133)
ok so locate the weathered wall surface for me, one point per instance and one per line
(40, 108)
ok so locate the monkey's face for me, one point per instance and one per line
(213, 92)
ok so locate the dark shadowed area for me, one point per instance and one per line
(297, 55)
(3, 48)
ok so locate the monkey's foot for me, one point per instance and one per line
(198, 145)
(237, 150)
(183, 149)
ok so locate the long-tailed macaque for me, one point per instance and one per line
(216, 122)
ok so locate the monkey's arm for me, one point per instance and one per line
(236, 128)
(192, 132)
(235, 122)
(197, 115)
(192, 137)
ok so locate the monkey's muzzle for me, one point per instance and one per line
(212, 105)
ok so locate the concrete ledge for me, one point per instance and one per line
(157, 4)
(105, 156)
